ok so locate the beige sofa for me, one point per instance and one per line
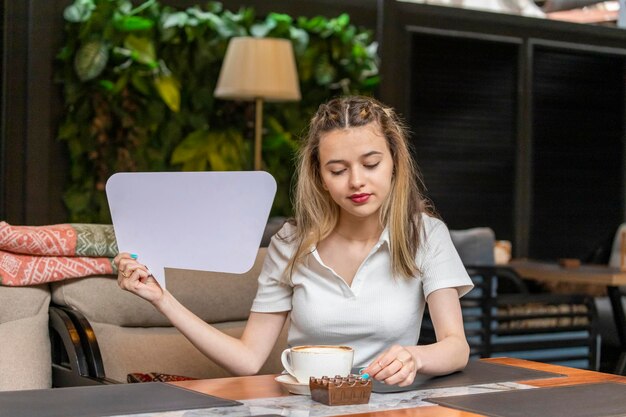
(130, 336)
(24, 342)
(89, 331)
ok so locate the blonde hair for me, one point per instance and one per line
(316, 214)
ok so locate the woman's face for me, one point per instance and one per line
(356, 167)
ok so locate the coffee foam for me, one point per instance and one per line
(322, 349)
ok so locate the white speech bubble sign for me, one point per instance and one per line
(207, 221)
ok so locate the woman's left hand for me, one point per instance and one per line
(395, 366)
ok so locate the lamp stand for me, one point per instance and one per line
(258, 130)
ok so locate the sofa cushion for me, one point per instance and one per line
(128, 350)
(214, 297)
(24, 343)
(21, 302)
(25, 361)
(475, 246)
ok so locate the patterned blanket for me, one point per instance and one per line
(31, 255)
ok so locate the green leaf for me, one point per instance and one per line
(197, 164)
(131, 23)
(274, 125)
(200, 15)
(120, 84)
(143, 48)
(324, 72)
(170, 20)
(371, 81)
(273, 142)
(126, 7)
(342, 21)
(315, 24)
(91, 59)
(300, 39)
(169, 90)
(79, 11)
(260, 30)
(106, 85)
(195, 145)
(279, 24)
(147, 4)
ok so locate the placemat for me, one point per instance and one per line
(588, 400)
(105, 400)
(476, 372)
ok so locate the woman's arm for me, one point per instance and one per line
(243, 356)
(400, 364)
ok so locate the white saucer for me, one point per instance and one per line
(292, 385)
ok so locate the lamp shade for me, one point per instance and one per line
(258, 68)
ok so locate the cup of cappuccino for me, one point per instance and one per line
(303, 362)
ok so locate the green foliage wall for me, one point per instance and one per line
(138, 85)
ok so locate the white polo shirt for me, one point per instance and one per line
(377, 311)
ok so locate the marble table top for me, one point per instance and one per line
(303, 406)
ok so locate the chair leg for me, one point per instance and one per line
(75, 356)
(620, 369)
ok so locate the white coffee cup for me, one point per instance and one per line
(303, 362)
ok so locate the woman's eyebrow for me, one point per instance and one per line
(341, 161)
(370, 153)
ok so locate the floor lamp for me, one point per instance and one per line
(258, 69)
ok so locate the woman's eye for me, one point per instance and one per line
(371, 166)
(337, 172)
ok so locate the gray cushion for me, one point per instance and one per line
(475, 246)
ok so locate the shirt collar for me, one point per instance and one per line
(384, 237)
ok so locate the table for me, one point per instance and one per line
(585, 274)
(264, 386)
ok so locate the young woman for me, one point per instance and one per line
(356, 265)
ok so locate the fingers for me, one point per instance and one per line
(138, 277)
(122, 256)
(130, 272)
(134, 275)
(395, 366)
(119, 257)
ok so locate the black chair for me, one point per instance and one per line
(511, 322)
(76, 359)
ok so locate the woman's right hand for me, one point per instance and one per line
(135, 278)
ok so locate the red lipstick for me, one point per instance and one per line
(360, 198)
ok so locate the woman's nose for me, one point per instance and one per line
(356, 179)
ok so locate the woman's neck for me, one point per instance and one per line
(359, 230)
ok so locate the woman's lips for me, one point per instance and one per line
(360, 198)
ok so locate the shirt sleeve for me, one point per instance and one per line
(274, 293)
(441, 265)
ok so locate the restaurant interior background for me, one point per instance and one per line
(517, 121)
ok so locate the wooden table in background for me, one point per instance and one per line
(612, 278)
(264, 386)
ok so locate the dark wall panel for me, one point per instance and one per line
(463, 115)
(578, 158)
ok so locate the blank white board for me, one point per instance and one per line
(208, 221)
